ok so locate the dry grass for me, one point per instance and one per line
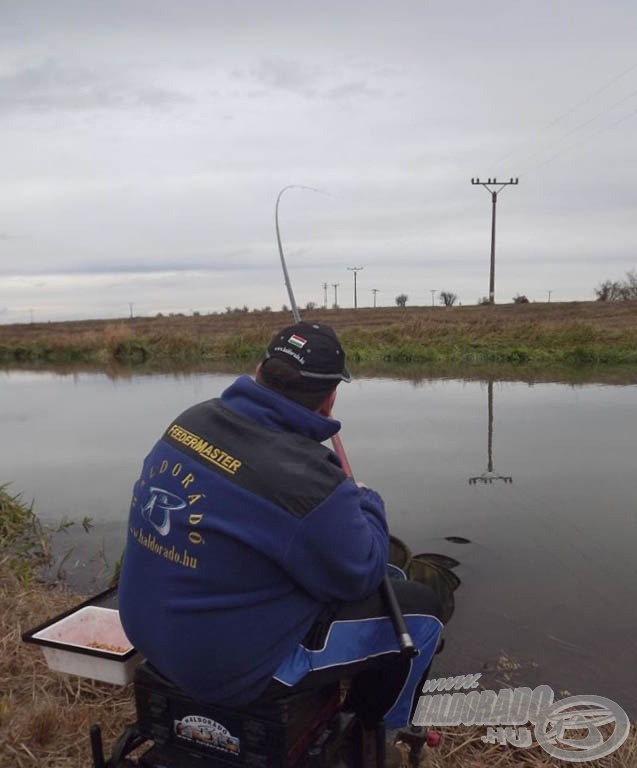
(463, 748)
(45, 716)
(573, 335)
(583, 321)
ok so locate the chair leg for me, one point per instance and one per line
(372, 745)
(415, 738)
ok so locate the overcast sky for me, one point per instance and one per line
(143, 144)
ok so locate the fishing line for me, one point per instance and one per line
(549, 517)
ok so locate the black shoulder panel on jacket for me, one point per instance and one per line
(290, 470)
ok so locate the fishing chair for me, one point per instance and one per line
(305, 729)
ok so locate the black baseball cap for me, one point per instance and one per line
(314, 350)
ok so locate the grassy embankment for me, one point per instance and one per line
(535, 336)
(45, 716)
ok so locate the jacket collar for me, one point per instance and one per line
(275, 412)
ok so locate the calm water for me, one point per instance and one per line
(548, 570)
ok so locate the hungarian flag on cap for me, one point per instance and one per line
(298, 341)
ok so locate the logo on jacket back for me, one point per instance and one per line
(158, 508)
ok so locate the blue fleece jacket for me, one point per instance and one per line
(242, 527)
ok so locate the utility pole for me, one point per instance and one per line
(355, 270)
(130, 306)
(432, 291)
(335, 286)
(549, 293)
(374, 291)
(324, 295)
(494, 199)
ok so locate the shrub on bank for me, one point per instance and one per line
(23, 545)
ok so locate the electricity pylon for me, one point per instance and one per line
(494, 199)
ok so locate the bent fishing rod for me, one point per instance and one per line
(405, 642)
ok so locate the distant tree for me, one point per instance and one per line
(610, 291)
(401, 300)
(310, 305)
(284, 308)
(483, 300)
(616, 290)
(196, 313)
(520, 299)
(631, 285)
(448, 298)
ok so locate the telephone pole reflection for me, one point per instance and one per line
(490, 475)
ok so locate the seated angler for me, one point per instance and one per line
(253, 562)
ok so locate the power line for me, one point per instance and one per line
(583, 141)
(595, 93)
(572, 109)
(579, 127)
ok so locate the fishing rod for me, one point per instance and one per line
(405, 642)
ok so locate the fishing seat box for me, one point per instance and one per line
(266, 734)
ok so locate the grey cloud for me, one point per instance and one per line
(49, 86)
(237, 261)
(285, 75)
(355, 89)
(300, 79)
(570, 257)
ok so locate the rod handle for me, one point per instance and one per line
(407, 647)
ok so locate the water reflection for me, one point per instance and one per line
(490, 475)
(416, 373)
(115, 371)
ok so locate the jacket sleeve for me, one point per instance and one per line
(341, 548)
